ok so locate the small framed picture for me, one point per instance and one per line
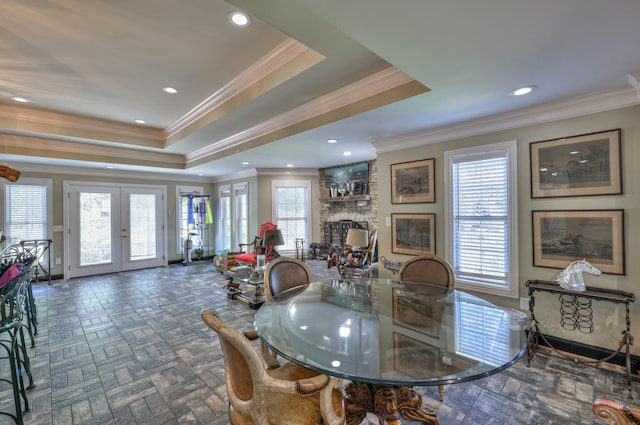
(413, 182)
(589, 164)
(561, 237)
(413, 234)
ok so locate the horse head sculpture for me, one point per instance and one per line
(571, 278)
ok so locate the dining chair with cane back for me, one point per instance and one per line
(430, 269)
(289, 394)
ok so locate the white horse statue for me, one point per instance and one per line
(571, 277)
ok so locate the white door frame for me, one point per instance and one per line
(68, 185)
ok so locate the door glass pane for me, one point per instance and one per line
(95, 228)
(142, 226)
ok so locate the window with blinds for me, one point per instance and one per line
(224, 223)
(291, 211)
(481, 216)
(241, 213)
(27, 211)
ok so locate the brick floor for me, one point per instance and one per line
(130, 348)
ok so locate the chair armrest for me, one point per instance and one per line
(609, 411)
(268, 355)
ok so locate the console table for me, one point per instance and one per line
(576, 314)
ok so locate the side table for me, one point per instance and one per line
(576, 314)
(254, 297)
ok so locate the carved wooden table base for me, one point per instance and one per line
(388, 403)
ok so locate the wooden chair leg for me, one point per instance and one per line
(441, 392)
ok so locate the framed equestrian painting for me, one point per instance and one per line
(561, 237)
(585, 165)
(413, 234)
(413, 182)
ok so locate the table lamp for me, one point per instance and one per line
(357, 237)
(273, 238)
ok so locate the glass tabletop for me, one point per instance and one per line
(382, 331)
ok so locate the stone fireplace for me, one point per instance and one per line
(338, 213)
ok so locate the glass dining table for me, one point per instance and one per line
(385, 336)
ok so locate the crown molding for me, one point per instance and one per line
(13, 144)
(287, 60)
(16, 118)
(553, 111)
(236, 176)
(98, 172)
(292, 121)
(287, 171)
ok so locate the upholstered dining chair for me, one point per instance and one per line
(284, 273)
(289, 394)
(431, 269)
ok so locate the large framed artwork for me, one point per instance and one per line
(561, 237)
(589, 164)
(413, 182)
(413, 234)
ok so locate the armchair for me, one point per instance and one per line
(249, 251)
(288, 394)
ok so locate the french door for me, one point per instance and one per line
(113, 228)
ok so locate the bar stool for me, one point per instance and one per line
(13, 297)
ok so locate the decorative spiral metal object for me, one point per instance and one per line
(576, 313)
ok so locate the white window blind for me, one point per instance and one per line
(292, 205)
(26, 211)
(480, 215)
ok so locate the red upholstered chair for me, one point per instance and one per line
(255, 248)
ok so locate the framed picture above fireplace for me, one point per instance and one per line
(348, 180)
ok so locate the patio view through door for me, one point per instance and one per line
(113, 228)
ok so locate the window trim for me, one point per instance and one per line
(275, 184)
(180, 191)
(507, 149)
(222, 190)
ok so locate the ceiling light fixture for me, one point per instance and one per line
(170, 90)
(289, 165)
(20, 99)
(332, 141)
(239, 19)
(141, 121)
(346, 153)
(523, 90)
(245, 162)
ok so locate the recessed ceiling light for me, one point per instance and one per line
(245, 162)
(170, 90)
(239, 19)
(111, 167)
(200, 174)
(20, 99)
(332, 141)
(289, 165)
(141, 121)
(346, 153)
(523, 90)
